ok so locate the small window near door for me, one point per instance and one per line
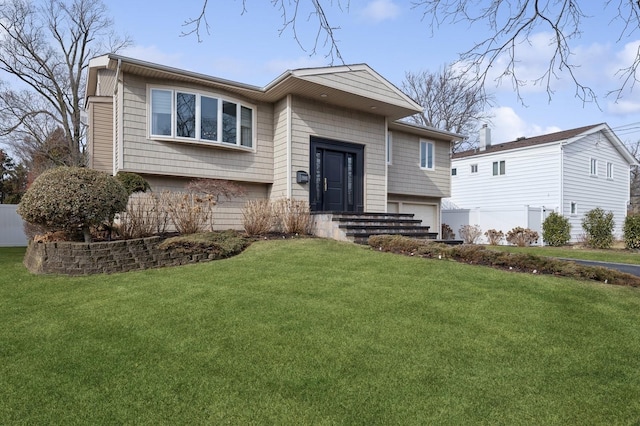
(574, 208)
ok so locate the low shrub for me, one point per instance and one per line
(257, 217)
(218, 190)
(470, 234)
(396, 243)
(190, 212)
(73, 198)
(447, 232)
(146, 215)
(517, 262)
(598, 227)
(220, 244)
(522, 237)
(132, 182)
(556, 230)
(494, 236)
(291, 216)
(632, 231)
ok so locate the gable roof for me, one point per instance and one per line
(355, 87)
(564, 137)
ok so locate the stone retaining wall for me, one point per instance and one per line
(70, 258)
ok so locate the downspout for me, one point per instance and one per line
(115, 120)
(561, 179)
(386, 165)
(289, 143)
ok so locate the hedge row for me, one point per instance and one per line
(518, 262)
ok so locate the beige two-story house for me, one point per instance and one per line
(331, 136)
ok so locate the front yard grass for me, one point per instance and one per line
(314, 331)
(577, 252)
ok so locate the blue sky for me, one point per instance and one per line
(391, 37)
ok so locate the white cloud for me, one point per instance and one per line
(507, 126)
(154, 54)
(278, 66)
(380, 10)
(530, 66)
(624, 107)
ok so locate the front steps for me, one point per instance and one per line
(358, 227)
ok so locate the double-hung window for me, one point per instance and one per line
(186, 115)
(427, 155)
(594, 167)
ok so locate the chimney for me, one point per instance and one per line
(485, 137)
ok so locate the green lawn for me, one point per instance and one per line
(313, 331)
(611, 255)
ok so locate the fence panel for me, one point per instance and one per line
(11, 227)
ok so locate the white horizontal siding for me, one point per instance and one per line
(589, 191)
(532, 178)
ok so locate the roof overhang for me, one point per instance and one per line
(425, 131)
(613, 139)
(309, 83)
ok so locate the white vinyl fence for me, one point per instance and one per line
(11, 227)
(499, 219)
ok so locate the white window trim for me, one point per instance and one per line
(454, 171)
(476, 168)
(433, 155)
(609, 170)
(573, 211)
(592, 162)
(498, 162)
(197, 140)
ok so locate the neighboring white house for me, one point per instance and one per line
(518, 183)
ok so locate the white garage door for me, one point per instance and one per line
(427, 213)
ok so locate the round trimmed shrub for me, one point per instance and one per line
(598, 227)
(632, 231)
(73, 198)
(556, 230)
(133, 182)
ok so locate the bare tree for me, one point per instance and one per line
(451, 102)
(312, 14)
(512, 23)
(45, 47)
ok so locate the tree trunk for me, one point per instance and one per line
(87, 234)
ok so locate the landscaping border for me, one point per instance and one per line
(73, 258)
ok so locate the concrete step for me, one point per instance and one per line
(377, 222)
(358, 227)
(338, 217)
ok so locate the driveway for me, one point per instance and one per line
(623, 267)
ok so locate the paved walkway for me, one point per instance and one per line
(623, 267)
